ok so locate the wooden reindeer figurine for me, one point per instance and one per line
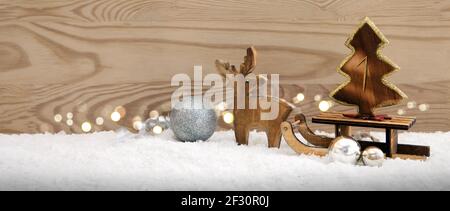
(248, 119)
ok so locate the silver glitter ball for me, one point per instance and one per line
(191, 121)
(373, 157)
(345, 150)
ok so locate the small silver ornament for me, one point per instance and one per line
(193, 121)
(155, 126)
(360, 136)
(345, 150)
(373, 157)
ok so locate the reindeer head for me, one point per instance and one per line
(246, 68)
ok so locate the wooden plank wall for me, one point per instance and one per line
(88, 56)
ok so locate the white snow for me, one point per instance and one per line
(123, 161)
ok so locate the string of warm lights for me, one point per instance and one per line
(413, 105)
(119, 113)
(326, 105)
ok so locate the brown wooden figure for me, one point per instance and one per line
(366, 70)
(247, 119)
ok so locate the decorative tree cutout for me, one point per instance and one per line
(366, 70)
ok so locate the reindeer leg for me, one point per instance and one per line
(274, 138)
(242, 134)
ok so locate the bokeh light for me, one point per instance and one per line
(121, 110)
(99, 121)
(86, 127)
(300, 97)
(157, 130)
(115, 116)
(58, 118)
(424, 107)
(221, 106)
(324, 106)
(137, 123)
(153, 114)
(318, 98)
(411, 105)
(228, 117)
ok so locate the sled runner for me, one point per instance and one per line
(287, 129)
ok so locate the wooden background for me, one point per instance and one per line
(88, 56)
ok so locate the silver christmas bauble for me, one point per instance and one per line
(345, 150)
(192, 121)
(155, 126)
(373, 157)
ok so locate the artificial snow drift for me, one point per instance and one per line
(123, 161)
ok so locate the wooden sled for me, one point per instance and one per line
(320, 143)
(392, 148)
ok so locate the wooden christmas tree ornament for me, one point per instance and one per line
(366, 70)
(248, 119)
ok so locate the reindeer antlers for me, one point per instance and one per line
(249, 61)
(246, 68)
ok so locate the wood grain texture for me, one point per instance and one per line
(399, 123)
(88, 56)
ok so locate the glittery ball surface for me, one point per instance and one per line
(191, 121)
